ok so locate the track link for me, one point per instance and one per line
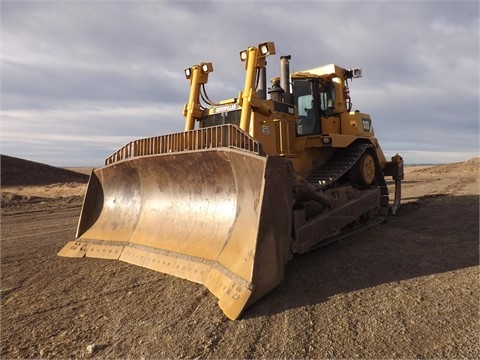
(338, 165)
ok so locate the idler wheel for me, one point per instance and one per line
(364, 170)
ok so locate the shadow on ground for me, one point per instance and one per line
(433, 235)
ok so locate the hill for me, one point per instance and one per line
(20, 172)
(471, 166)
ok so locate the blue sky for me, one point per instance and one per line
(79, 79)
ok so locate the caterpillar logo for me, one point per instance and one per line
(366, 124)
(225, 108)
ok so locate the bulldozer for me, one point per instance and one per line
(251, 182)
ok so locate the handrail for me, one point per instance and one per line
(227, 135)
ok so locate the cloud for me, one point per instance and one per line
(82, 78)
(70, 134)
(41, 85)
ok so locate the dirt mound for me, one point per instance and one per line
(20, 172)
(468, 167)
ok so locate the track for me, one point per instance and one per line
(339, 165)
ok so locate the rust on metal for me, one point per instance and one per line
(205, 216)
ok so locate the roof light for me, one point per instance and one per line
(188, 73)
(357, 73)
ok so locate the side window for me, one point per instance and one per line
(327, 99)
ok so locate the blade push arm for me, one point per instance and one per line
(198, 76)
(255, 59)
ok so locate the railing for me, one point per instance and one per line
(229, 136)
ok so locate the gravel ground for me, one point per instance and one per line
(405, 289)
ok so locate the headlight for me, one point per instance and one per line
(267, 48)
(188, 73)
(207, 67)
(263, 49)
(327, 140)
(243, 55)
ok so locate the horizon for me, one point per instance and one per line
(99, 166)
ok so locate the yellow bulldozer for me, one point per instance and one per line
(248, 184)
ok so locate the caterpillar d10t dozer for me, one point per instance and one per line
(250, 183)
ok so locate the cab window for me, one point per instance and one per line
(327, 99)
(308, 121)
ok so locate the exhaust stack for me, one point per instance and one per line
(285, 78)
(262, 83)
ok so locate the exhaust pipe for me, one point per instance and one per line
(285, 78)
(262, 83)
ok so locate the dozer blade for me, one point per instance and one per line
(218, 217)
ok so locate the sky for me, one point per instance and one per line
(80, 79)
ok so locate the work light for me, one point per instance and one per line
(243, 55)
(207, 67)
(267, 48)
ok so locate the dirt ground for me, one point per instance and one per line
(406, 289)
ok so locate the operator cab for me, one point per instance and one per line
(314, 99)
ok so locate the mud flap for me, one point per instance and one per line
(218, 217)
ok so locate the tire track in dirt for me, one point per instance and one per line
(38, 233)
(14, 226)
